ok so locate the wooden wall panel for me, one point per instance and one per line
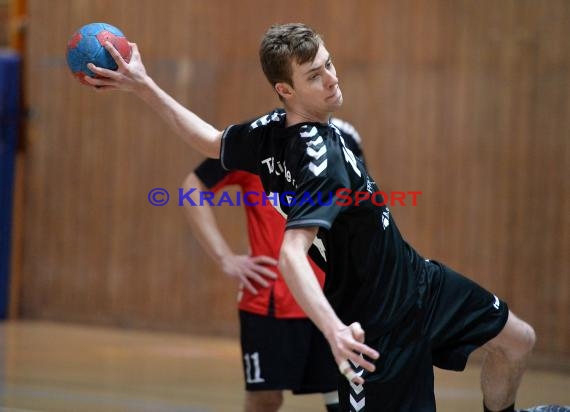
(466, 101)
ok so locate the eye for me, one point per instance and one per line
(328, 64)
(314, 76)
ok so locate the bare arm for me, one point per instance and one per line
(346, 341)
(246, 269)
(132, 77)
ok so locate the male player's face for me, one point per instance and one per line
(315, 86)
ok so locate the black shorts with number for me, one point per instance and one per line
(285, 354)
(453, 317)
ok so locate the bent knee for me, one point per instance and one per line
(515, 341)
(526, 335)
(530, 337)
(524, 343)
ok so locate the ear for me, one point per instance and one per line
(284, 90)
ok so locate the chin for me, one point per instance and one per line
(337, 104)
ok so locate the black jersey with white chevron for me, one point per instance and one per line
(370, 270)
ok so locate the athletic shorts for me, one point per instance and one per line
(285, 354)
(453, 316)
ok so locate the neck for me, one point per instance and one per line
(297, 116)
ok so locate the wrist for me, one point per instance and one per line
(146, 88)
(223, 258)
(332, 328)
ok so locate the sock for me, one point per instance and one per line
(507, 409)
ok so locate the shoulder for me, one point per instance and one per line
(257, 125)
(274, 118)
(347, 129)
(241, 143)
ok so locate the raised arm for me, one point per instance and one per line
(132, 77)
(247, 269)
(347, 342)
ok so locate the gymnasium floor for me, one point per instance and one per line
(69, 368)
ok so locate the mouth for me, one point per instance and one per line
(336, 95)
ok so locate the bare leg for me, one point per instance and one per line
(505, 362)
(263, 401)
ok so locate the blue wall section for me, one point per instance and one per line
(10, 63)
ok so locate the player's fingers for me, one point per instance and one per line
(247, 284)
(134, 49)
(356, 379)
(360, 361)
(358, 347)
(357, 331)
(265, 260)
(98, 82)
(256, 278)
(104, 73)
(344, 367)
(135, 54)
(349, 373)
(115, 55)
(262, 270)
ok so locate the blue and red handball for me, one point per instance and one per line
(87, 46)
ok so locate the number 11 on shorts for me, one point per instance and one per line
(252, 369)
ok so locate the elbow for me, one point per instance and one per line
(296, 243)
(213, 143)
(188, 181)
(192, 181)
(281, 263)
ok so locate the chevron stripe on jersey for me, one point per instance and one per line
(316, 154)
(356, 394)
(318, 141)
(316, 149)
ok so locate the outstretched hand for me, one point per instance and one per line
(128, 76)
(249, 269)
(347, 344)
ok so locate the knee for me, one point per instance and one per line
(529, 338)
(515, 342)
(522, 343)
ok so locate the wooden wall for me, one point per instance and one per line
(464, 100)
(4, 18)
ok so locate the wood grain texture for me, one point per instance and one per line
(61, 367)
(466, 101)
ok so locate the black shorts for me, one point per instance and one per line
(453, 316)
(285, 354)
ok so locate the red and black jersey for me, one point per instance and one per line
(265, 227)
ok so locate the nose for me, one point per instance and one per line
(332, 79)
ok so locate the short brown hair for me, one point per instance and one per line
(284, 43)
